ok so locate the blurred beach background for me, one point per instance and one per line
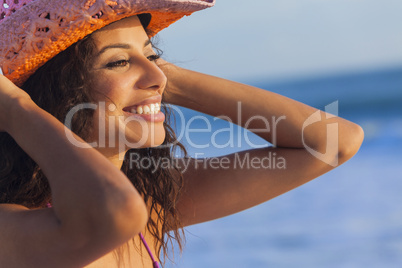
(316, 52)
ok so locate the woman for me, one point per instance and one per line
(64, 200)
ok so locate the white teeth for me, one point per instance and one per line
(146, 109)
(152, 108)
(157, 108)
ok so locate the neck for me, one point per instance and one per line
(115, 157)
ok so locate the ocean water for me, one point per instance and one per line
(349, 217)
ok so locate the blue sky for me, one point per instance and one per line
(275, 40)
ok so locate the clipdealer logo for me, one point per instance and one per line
(331, 154)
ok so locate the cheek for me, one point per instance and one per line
(105, 118)
(107, 87)
(103, 91)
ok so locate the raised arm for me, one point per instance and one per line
(298, 132)
(95, 207)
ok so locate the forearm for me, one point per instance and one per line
(87, 190)
(284, 123)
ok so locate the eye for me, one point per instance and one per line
(153, 57)
(119, 63)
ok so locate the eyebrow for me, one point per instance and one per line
(120, 45)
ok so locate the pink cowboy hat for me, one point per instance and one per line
(34, 31)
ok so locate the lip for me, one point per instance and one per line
(153, 99)
(159, 117)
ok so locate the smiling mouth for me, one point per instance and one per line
(151, 108)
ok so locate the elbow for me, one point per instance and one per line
(122, 221)
(119, 219)
(130, 218)
(104, 229)
(350, 141)
(136, 212)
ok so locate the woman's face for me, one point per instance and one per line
(128, 86)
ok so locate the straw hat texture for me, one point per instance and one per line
(34, 31)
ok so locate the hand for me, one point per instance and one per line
(171, 71)
(10, 95)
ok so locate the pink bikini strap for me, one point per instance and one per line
(154, 262)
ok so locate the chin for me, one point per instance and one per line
(153, 139)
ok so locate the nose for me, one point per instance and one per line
(151, 76)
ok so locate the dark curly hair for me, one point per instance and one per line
(58, 86)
